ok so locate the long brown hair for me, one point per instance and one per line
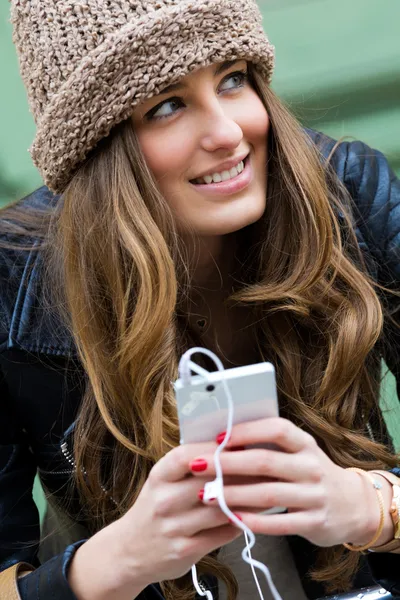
(123, 271)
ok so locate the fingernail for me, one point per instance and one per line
(221, 437)
(238, 517)
(198, 465)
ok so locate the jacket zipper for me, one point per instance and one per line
(370, 432)
(66, 472)
(68, 455)
(70, 458)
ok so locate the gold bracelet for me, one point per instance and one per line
(377, 488)
(395, 506)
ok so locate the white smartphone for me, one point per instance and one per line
(203, 406)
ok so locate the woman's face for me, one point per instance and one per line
(205, 141)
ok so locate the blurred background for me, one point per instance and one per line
(338, 67)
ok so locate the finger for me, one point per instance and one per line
(268, 495)
(176, 498)
(179, 497)
(212, 539)
(174, 466)
(292, 523)
(193, 521)
(245, 479)
(264, 463)
(277, 430)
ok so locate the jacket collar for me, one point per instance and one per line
(33, 326)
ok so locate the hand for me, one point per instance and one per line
(166, 531)
(327, 504)
(169, 526)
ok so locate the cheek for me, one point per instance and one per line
(163, 163)
(255, 123)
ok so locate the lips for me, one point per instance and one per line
(221, 177)
(225, 166)
(230, 186)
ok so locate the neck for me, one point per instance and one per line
(212, 260)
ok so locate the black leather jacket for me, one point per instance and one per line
(42, 380)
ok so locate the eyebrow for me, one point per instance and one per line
(180, 85)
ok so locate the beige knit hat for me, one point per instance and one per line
(87, 63)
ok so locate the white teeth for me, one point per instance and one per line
(224, 176)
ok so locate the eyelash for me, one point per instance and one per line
(244, 76)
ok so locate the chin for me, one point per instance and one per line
(240, 220)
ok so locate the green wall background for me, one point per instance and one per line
(338, 67)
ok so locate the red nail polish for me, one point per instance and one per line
(221, 437)
(201, 494)
(198, 465)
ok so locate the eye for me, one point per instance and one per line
(173, 105)
(165, 109)
(239, 79)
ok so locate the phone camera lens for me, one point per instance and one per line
(210, 388)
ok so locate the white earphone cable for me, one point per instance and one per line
(216, 488)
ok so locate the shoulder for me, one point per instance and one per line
(375, 193)
(364, 170)
(17, 252)
(25, 323)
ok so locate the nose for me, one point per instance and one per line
(220, 130)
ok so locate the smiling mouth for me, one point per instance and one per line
(217, 178)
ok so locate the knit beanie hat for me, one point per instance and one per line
(87, 63)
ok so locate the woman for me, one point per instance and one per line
(184, 205)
